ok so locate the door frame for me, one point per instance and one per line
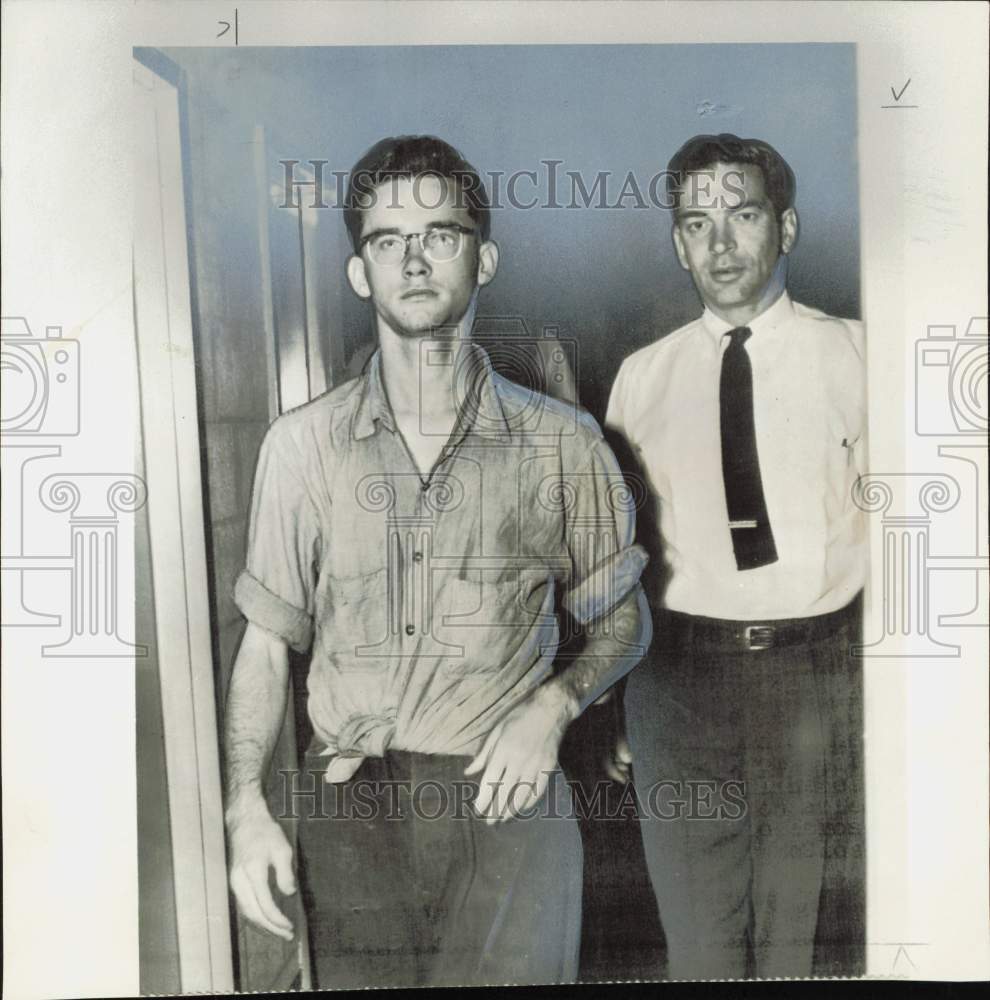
(170, 427)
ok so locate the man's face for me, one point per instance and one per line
(727, 235)
(417, 295)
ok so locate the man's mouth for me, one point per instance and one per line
(724, 275)
(418, 293)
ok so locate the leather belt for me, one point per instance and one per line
(677, 628)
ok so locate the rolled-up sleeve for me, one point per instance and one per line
(276, 589)
(606, 562)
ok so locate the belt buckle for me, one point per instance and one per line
(759, 636)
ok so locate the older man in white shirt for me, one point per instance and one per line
(749, 426)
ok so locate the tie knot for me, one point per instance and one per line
(738, 336)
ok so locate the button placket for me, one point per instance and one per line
(413, 540)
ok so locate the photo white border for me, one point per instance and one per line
(70, 851)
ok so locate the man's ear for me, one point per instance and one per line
(788, 230)
(487, 262)
(357, 277)
(675, 234)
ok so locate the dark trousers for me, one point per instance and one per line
(404, 886)
(748, 768)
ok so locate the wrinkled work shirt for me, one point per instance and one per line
(430, 603)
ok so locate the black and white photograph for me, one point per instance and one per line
(542, 526)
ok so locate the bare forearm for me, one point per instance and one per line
(522, 749)
(254, 715)
(611, 649)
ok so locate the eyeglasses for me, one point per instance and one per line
(439, 245)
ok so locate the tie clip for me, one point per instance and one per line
(742, 524)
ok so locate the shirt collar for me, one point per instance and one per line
(373, 406)
(476, 390)
(770, 319)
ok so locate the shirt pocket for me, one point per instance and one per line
(360, 623)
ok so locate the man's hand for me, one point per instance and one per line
(257, 843)
(618, 762)
(520, 752)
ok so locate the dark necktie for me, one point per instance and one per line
(749, 524)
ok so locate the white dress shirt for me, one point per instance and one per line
(810, 415)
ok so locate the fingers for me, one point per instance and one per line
(489, 786)
(513, 793)
(614, 769)
(524, 796)
(285, 878)
(618, 770)
(520, 751)
(502, 790)
(618, 764)
(481, 758)
(250, 887)
(274, 917)
(491, 774)
(258, 847)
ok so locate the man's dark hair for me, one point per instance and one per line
(704, 151)
(411, 156)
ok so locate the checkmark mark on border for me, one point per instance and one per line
(897, 96)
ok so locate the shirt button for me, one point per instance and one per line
(410, 629)
(417, 557)
(424, 486)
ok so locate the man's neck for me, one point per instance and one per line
(419, 376)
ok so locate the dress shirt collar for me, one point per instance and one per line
(481, 408)
(772, 318)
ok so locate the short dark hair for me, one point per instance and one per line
(412, 156)
(704, 151)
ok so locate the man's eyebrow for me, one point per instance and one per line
(702, 213)
(391, 231)
(751, 203)
(395, 231)
(444, 224)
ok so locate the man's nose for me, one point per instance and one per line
(415, 261)
(721, 237)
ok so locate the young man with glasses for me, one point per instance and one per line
(429, 532)
(749, 424)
